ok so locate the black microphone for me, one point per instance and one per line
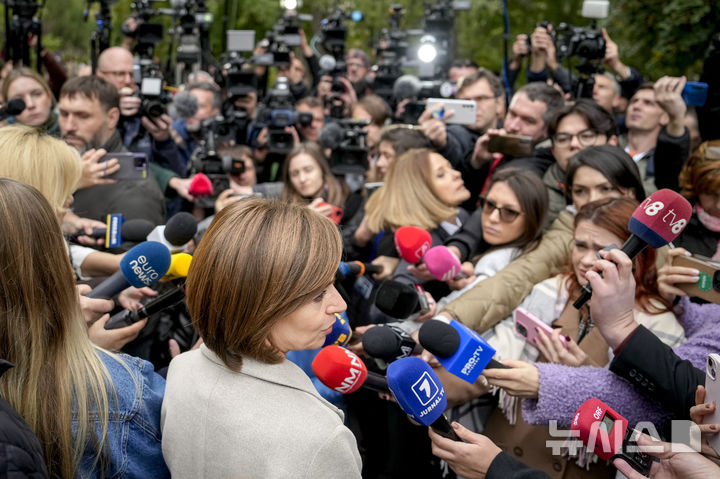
(186, 105)
(398, 300)
(357, 268)
(133, 231)
(164, 301)
(179, 229)
(389, 343)
(331, 135)
(12, 108)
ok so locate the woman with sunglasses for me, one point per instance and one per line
(513, 216)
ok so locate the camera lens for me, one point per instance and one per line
(521, 329)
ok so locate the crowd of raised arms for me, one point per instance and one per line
(308, 261)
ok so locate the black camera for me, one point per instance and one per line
(582, 42)
(347, 140)
(153, 97)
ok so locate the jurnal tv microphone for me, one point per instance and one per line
(656, 222)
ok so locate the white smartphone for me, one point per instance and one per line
(712, 386)
(464, 110)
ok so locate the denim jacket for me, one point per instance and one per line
(133, 435)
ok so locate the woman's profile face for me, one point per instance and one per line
(37, 101)
(590, 185)
(589, 239)
(373, 131)
(386, 155)
(447, 182)
(305, 175)
(503, 220)
(710, 202)
(307, 326)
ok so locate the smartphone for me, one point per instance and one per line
(695, 93)
(527, 324)
(513, 145)
(464, 110)
(708, 285)
(133, 166)
(712, 386)
(422, 300)
(336, 214)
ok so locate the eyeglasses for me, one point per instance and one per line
(585, 137)
(507, 215)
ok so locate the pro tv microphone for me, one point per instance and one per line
(179, 229)
(389, 343)
(411, 243)
(343, 371)
(141, 266)
(656, 222)
(459, 349)
(419, 392)
(164, 301)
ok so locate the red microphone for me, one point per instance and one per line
(200, 186)
(657, 221)
(412, 243)
(343, 371)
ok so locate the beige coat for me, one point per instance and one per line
(267, 421)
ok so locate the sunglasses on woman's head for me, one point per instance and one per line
(507, 215)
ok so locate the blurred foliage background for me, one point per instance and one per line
(656, 36)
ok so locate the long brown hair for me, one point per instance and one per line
(613, 215)
(43, 332)
(259, 261)
(701, 173)
(336, 191)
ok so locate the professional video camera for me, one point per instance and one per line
(284, 36)
(147, 34)
(347, 140)
(22, 22)
(390, 51)
(278, 113)
(191, 31)
(436, 50)
(588, 46)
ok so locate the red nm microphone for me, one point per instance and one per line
(343, 371)
(412, 243)
(605, 432)
(656, 222)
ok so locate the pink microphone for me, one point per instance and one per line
(443, 264)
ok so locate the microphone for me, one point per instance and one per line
(341, 332)
(356, 268)
(327, 63)
(419, 392)
(407, 86)
(411, 243)
(179, 267)
(186, 105)
(400, 300)
(134, 231)
(442, 264)
(343, 371)
(389, 343)
(331, 135)
(200, 185)
(606, 433)
(656, 222)
(164, 301)
(179, 229)
(12, 108)
(141, 266)
(459, 349)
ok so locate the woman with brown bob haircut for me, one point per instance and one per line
(260, 285)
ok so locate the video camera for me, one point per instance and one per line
(279, 113)
(284, 36)
(347, 141)
(586, 43)
(390, 50)
(19, 26)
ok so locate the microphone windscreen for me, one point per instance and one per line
(417, 389)
(411, 243)
(439, 338)
(179, 266)
(397, 300)
(660, 218)
(441, 263)
(327, 63)
(407, 86)
(15, 106)
(145, 263)
(331, 135)
(186, 105)
(180, 228)
(136, 230)
(339, 369)
(341, 332)
(381, 342)
(200, 185)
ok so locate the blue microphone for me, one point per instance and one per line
(459, 349)
(341, 332)
(141, 266)
(419, 392)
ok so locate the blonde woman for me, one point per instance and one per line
(96, 414)
(421, 189)
(260, 285)
(29, 86)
